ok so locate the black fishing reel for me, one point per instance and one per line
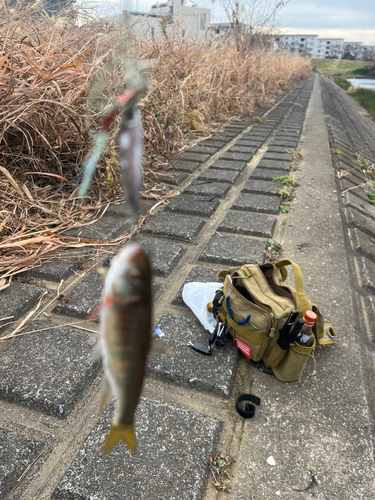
(219, 332)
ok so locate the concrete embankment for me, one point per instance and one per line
(320, 435)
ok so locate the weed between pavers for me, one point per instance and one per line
(254, 120)
(369, 171)
(287, 192)
(219, 468)
(274, 251)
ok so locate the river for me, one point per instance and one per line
(365, 83)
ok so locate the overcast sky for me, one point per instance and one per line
(353, 20)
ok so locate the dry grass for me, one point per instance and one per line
(56, 80)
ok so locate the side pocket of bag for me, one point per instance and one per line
(292, 365)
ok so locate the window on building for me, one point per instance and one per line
(203, 22)
(328, 43)
(183, 33)
(152, 33)
(277, 39)
(171, 10)
(217, 30)
(318, 51)
(302, 39)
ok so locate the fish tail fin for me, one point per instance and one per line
(117, 432)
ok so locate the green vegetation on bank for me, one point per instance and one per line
(366, 98)
(339, 67)
(342, 82)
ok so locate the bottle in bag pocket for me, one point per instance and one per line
(302, 345)
(305, 337)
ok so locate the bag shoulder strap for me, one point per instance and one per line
(302, 302)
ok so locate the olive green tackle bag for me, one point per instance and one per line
(256, 305)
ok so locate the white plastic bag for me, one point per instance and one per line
(197, 296)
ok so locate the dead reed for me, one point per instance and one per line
(56, 79)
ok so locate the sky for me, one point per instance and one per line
(353, 20)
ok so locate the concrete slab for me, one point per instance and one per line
(252, 143)
(246, 157)
(61, 267)
(363, 244)
(229, 165)
(352, 201)
(217, 144)
(198, 157)
(262, 187)
(367, 274)
(174, 447)
(175, 226)
(357, 220)
(214, 374)
(280, 157)
(248, 224)
(224, 137)
(193, 205)
(241, 148)
(283, 166)
(208, 188)
(265, 174)
(257, 203)
(17, 452)
(185, 166)
(83, 299)
(175, 178)
(48, 370)
(233, 250)
(204, 149)
(104, 229)
(19, 298)
(165, 254)
(220, 175)
(197, 274)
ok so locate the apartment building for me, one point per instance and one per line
(300, 44)
(353, 48)
(321, 48)
(191, 20)
(329, 47)
(222, 30)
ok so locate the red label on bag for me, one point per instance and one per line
(245, 349)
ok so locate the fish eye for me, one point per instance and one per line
(135, 276)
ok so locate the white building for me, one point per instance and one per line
(191, 20)
(297, 44)
(329, 47)
(354, 48)
(321, 48)
(222, 30)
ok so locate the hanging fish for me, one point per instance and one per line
(130, 147)
(131, 150)
(126, 318)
